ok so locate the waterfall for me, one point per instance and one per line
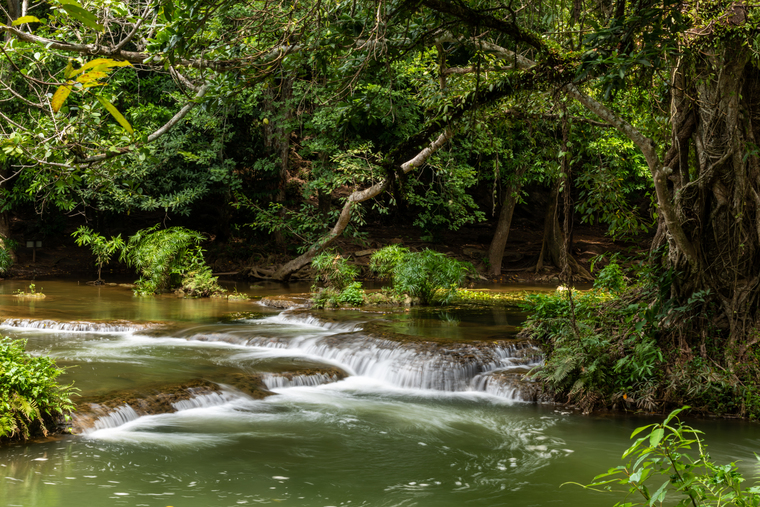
(76, 326)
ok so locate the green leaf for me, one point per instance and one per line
(659, 495)
(116, 114)
(656, 437)
(81, 14)
(26, 19)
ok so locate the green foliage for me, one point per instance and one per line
(338, 277)
(600, 346)
(428, 275)
(33, 293)
(101, 247)
(30, 397)
(611, 278)
(6, 260)
(168, 258)
(333, 270)
(672, 457)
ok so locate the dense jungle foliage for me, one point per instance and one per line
(296, 123)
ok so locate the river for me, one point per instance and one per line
(404, 422)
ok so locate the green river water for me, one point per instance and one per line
(408, 426)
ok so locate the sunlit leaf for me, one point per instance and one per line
(59, 97)
(102, 64)
(26, 19)
(117, 115)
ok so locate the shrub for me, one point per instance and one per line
(333, 270)
(428, 275)
(169, 258)
(30, 398)
(101, 247)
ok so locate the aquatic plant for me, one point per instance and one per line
(33, 293)
(686, 478)
(430, 276)
(30, 397)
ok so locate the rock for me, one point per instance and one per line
(288, 301)
(364, 253)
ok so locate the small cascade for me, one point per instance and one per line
(115, 412)
(206, 400)
(275, 381)
(305, 319)
(510, 383)
(76, 326)
(114, 418)
(413, 365)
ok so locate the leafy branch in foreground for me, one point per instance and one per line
(30, 398)
(674, 452)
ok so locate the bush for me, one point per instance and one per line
(333, 270)
(428, 275)
(30, 398)
(170, 258)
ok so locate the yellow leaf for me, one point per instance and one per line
(116, 114)
(93, 75)
(69, 70)
(105, 63)
(59, 97)
(26, 19)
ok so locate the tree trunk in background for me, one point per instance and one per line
(554, 240)
(500, 237)
(282, 143)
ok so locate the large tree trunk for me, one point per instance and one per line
(500, 237)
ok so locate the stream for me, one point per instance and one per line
(206, 403)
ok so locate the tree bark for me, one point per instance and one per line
(500, 237)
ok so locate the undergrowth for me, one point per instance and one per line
(632, 346)
(30, 398)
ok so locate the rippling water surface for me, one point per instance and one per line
(410, 424)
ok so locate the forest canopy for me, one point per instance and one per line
(310, 114)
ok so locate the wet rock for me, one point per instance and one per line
(516, 385)
(118, 407)
(287, 302)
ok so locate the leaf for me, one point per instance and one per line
(26, 19)
(659, 495)
(101, 64)
(59, 97)
(81, 14)
(656, 437)
(68, 71)
(116, 114)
